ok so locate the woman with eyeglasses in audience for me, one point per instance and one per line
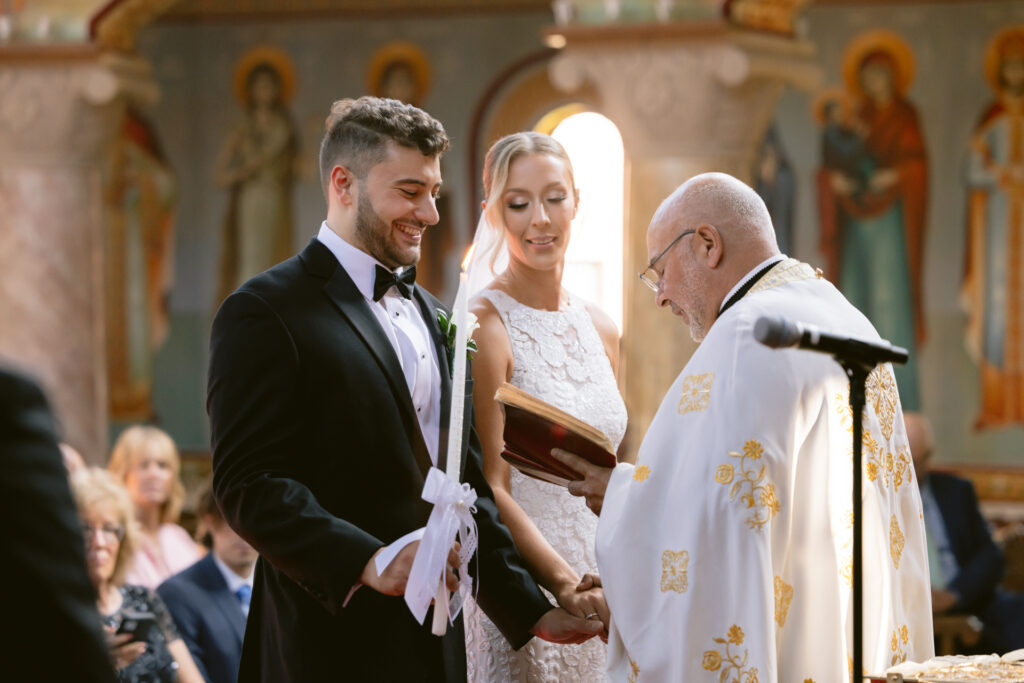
(155, 651)
(146, 461)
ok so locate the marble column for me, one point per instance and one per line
(687, 99)
(59, 112)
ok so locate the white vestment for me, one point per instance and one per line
(726, 551)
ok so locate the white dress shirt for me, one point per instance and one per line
(403, 325)
(233, 580)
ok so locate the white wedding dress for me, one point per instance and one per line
(558, 357)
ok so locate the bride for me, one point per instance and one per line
(548, 342)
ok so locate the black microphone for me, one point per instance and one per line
(777, 332)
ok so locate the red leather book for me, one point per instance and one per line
(534, 427)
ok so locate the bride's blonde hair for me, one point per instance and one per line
(496, 166)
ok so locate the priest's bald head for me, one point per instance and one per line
(703, 239)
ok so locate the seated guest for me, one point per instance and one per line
(50, 604)
(108, 526)
(965, 564)
(146, 461)
(210, 600)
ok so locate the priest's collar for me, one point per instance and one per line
(359, 265)
(748, 281)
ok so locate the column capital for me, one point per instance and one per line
(64, 108)
(706, 90)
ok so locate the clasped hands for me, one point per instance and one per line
(557, 625)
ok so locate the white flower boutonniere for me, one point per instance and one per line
(448, 329)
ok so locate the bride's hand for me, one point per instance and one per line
(587, 602)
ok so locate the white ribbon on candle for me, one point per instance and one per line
(452, 515)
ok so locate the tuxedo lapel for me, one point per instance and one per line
(441, 349)
(222, 596)
(346, 297)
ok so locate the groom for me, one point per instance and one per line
(328, 398)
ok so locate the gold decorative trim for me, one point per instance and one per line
(785, 271)
(896, 542)
(783, 597)
(696, 393)
(730, 663)
(760, 494)
(634, 671)
(900, 639)
(883, 396)
(641, 473)
(673, 571)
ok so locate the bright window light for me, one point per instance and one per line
(593, 263)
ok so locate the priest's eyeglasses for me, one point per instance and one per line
(650, 276)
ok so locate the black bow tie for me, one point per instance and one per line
(385, 280)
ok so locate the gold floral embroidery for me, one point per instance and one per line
(896, 542)
(883, 397)
(846, 534)
(783, 596)
(730, 663)
(900, 638)
(673, 571)
(760, 493)
(641, 473)
(894, 468)
(696, 392)
(634, 671)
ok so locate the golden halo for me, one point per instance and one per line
(399, 52)
(833, 94)
(993, 53)
(275, 59)
(887, 43)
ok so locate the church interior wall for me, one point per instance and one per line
(194, 63)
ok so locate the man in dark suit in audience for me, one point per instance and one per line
(966, 565)
(210, 600)
(51, 630)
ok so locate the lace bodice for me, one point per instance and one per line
(558, 357)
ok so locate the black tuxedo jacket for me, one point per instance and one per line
(52, 629)
(977, 555)
(318, 462)
(209, 618)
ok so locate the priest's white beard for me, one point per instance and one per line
(691, 294)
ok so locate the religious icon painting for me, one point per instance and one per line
(992, 291)
(873, 191)
(256, 165)
(400, 71)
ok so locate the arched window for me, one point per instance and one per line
(593, 267)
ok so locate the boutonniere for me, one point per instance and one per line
(448, 329)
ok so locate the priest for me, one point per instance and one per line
(726, 550)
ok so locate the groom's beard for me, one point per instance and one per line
(374, 232)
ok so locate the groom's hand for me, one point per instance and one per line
(594, 482)
(396, 574)
(558, 626)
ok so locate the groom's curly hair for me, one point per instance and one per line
(358, 132)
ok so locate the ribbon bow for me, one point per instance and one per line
(384, 280)
(452, 514)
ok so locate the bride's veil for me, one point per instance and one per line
(489, 258)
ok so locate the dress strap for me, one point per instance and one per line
(500, 300)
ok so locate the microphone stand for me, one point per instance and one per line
(857, 358)
(857, 370)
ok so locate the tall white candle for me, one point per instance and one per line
(460, 319)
